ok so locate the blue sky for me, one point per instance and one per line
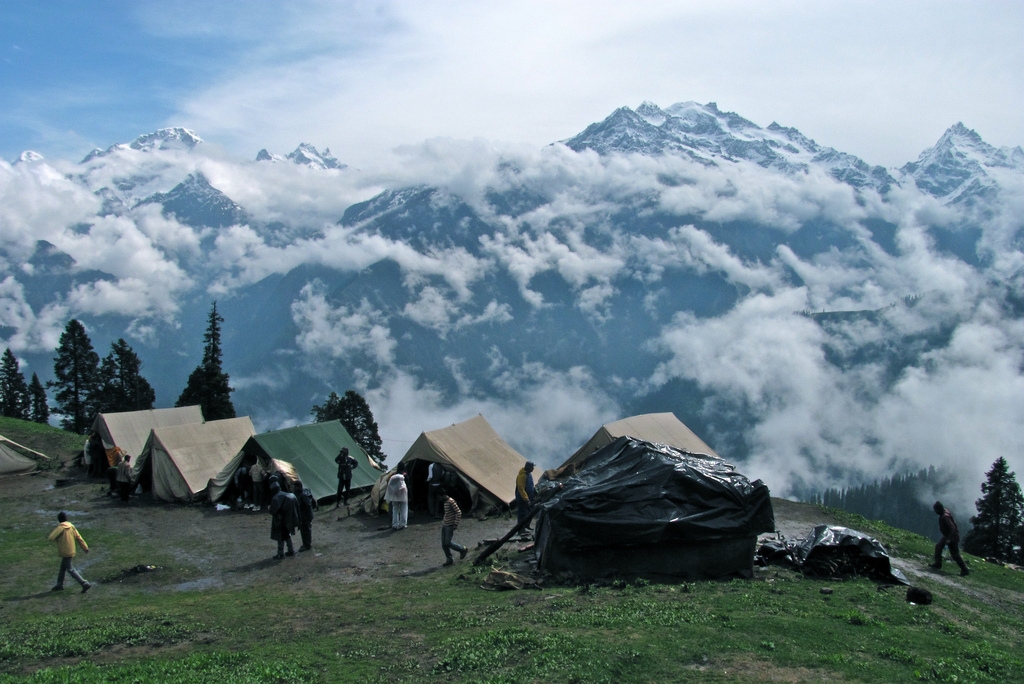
(882, 80)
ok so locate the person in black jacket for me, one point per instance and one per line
(950, 537)
(345, 465)
(284, 512)
(306, 505)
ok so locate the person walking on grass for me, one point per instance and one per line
(284, 514)
(950, 537)
(450, 523)
(65, 534)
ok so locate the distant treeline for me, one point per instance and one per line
(903, 501)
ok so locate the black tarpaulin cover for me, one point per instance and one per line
(824, 551)
(632, 492)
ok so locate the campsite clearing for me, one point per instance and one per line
(377, 606)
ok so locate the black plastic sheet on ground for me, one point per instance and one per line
(832, 552)
(632, 493)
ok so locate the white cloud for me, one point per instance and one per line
(545, 415)
(330, 333)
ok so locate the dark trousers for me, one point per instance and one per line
(67, 568)
(954, 553)
(125, 488)
(344, 488)
(112, 478)
(433, 500)
(306, 530)
(287, 539)
(447, 532)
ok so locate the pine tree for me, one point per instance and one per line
(208, 384)
(997, 527)
(354, 413)
(124, 389)
(14, 398)
(40, 412)
(77, 378)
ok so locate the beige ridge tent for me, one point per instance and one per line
(177, 462)
(660, 428)
(485, 464)
(130, 430)
(13, 463)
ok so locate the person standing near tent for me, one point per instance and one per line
(435, 495)
(124, 478)
(450, 523)
(97, 455)
(345, 465)
(397, 496)
(306, 505)
(65, 534)
(243, 484)
(284, 515)
(950, 537)
(113, 459)
(524, 491)
(256, 474)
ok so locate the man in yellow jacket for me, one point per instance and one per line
(65, 534)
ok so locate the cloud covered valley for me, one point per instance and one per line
(818, 321)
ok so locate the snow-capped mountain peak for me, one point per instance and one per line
(161, 139)
(28, 157)
(308, 155)
(960, 166)
(263, 155)
(709, 135)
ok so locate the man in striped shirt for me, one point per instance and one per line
(452, 518)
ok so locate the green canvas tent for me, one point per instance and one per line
(310, 450)
(13, 463)
(177, 462)
(129, 430)
(659, 428)
(486, 467)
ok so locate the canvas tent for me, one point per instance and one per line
(13, 463)
(485, 465)
(130, 430)
(659, 428)
(639, 508)
(177, 462)
(310, 450)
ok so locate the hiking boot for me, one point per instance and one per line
(86, 587)
(965, 572)
(57, 589)
(935, 565)
(463, 552)
(305, 548)
(448, 562)
(290, 554)
(279, 556)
